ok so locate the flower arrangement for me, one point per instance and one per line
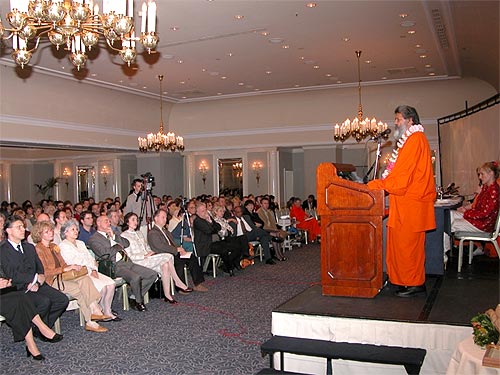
(485, 327)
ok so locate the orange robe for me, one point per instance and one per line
(311, 225)
(412, 193)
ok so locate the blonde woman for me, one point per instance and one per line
(80, 288)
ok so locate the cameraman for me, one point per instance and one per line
(134, 200)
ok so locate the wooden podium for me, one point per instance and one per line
(351, 235)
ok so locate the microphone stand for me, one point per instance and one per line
(374, 165)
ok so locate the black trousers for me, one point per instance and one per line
(49, 303)
(230, 255)
(194, 268)
(18, 311)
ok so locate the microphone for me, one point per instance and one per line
(378, 136)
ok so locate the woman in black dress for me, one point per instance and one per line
(20, 314)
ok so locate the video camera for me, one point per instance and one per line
(148, 181)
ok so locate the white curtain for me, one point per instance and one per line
(468, 143)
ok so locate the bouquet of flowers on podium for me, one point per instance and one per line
(486, 327)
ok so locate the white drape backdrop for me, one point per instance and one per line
(468, 143)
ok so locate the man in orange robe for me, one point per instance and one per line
(409, 181)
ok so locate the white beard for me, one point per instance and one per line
(400, 131)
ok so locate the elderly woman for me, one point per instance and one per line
(74, 251)
(140, 252)
(80, 288)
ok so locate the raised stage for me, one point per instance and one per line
(437, 322)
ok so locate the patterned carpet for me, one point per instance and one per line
(218, 332)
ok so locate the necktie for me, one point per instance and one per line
(20, 249)
(243, 228)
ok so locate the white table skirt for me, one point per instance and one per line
(439, 340)
(467, 360)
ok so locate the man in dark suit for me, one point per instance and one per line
(140, 278)
(246, 227)
(161, 241)
(310, 203)
(21, 264)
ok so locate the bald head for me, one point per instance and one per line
(42, 217)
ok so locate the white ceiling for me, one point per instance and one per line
(458, 38)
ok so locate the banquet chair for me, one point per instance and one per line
(477, 236)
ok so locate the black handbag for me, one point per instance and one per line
(106, 266)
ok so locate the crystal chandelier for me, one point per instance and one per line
(161, 141)
(77, 25)
(359, 128)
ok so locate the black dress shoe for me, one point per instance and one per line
(116, 319)
(410, 291)
(185, 291)
(140, 307)
(171, 301)
(270, 261)
(56, 338)
(37, 357)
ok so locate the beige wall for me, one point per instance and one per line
(47, 109)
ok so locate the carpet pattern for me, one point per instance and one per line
(218, 332)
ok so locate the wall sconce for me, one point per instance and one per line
(257, 167)
(203, 168)
(66, 174)
(105, 173)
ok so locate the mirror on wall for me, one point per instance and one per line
(231, 176)
(86, 182)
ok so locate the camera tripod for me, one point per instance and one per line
(146, 208)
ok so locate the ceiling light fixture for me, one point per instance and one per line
(77, 25)
(161, 141)
(358, 128)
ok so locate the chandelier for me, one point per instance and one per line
(359, 128)
(77, 25)
(238, 169)
(161, 141)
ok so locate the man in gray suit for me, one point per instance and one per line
(140, 278)
(161, 241)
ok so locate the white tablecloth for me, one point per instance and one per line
(467, 360)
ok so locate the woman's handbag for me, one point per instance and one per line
(69, 275)
(73, 274)
(106, 266)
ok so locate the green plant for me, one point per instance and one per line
(43, 189)
(483, 330)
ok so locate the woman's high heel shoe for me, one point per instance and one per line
(37, 357)
(172, 301)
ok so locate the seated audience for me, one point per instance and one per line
(59, 219)
(305, 221)
(244, 226)
(86, 226)
(140, 253)
(270, 225)
(20, 264)
(480, 216)
(104, 242)
(310, 203)
(74, 251)
(205, 228)
(248, 210)
(179, 226)
(160, 240)
(20, 314)
(226, 234)
(80, 288)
